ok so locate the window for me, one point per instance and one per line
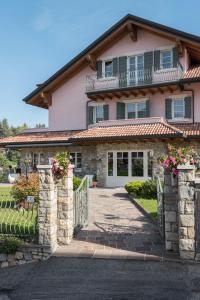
(178, 109)
(122, 163)
(137, 164)
(110, 163)
(76, 159)
(136, 110)
(37, 159)
(108, 68)
(98, 113)
(166, 59)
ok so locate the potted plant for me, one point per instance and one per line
(94, 181)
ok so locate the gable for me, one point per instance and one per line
(130, 25)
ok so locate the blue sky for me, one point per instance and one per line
(40, 36)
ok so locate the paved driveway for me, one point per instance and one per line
(98, 279)
(116, 229)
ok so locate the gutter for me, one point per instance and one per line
(37, 145)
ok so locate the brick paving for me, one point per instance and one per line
(117, 229)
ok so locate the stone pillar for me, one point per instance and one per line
(47, 210)
(171, 210)
(186, 193)
(65, 208)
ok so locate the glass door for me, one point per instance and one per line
(136, 69)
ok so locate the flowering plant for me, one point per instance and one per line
(60, 164)
(178, 156)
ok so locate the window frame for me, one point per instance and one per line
(136, 102)
(104, 69)
(76, 156)
(161, 58)
(173, 108)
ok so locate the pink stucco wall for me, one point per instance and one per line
(68, 110)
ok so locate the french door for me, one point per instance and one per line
(125, 166)
(135, 69)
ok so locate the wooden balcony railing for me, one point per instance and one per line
(136, 78)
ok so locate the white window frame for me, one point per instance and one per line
(39, 157)
(95, 113)
(75, 165)
(136, 101)
(173, 110)
(103, 69)
(161, 59)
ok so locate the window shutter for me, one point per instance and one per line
(156, 60)
(90, 115)
(99, 69)
(115, 66)
(120, 110)
(123, 71)
(106, 112)
(168, 108)
(175, 57)
(148, 64)
(188, 107)
(147, 109)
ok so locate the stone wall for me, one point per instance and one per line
(25, 254)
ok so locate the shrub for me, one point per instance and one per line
(26, 187)
(149, 189)
(142, 189)
(9, 245)
(76, 182)
(134, 188)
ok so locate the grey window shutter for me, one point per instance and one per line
(175, 57)
(147, 109)
(90, 115)
(120, 110)
(156, 60)
(148, 64)
(188, 107)
(168, 108)
(123, 71)
(99, 69)
(115, 66)
(106, 112)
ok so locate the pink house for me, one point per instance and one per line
(117, 104)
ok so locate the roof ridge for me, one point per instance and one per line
(172, 127)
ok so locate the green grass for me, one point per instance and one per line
(150, 205)
(14, 220)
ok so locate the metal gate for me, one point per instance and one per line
(81, 205)
(160, 208)
(197, 220)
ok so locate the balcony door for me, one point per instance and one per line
(135, 70)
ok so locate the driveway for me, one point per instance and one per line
(117, 229)
(89, 279)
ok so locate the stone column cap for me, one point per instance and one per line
(185, 167)
(44, 167)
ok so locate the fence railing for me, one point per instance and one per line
(133, 78)
(81, 204)
(18, 218)
(160, 207)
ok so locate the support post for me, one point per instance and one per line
(186, 191)
(47, 210)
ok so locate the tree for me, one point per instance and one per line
(40, 125)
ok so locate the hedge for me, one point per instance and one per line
(142, 189)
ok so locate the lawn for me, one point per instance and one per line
(14, 220)
(150, 205)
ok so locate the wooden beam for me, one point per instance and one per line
(92, 61)
(170, 89)
(47, 98)
(179, 46)
(160, 90)
(109, 96)
(151, 91)
(132, 31)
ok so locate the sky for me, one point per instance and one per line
(37, 37)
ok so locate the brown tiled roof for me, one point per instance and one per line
(193, 72)
(38, 137)
(137, 130)
(189, 129)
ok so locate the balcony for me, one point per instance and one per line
(137, 78)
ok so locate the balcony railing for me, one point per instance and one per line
(136, 78)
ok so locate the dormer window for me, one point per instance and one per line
(108, 68)
(166, 59)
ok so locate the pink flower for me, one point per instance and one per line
(173, 160)
(175, 171)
